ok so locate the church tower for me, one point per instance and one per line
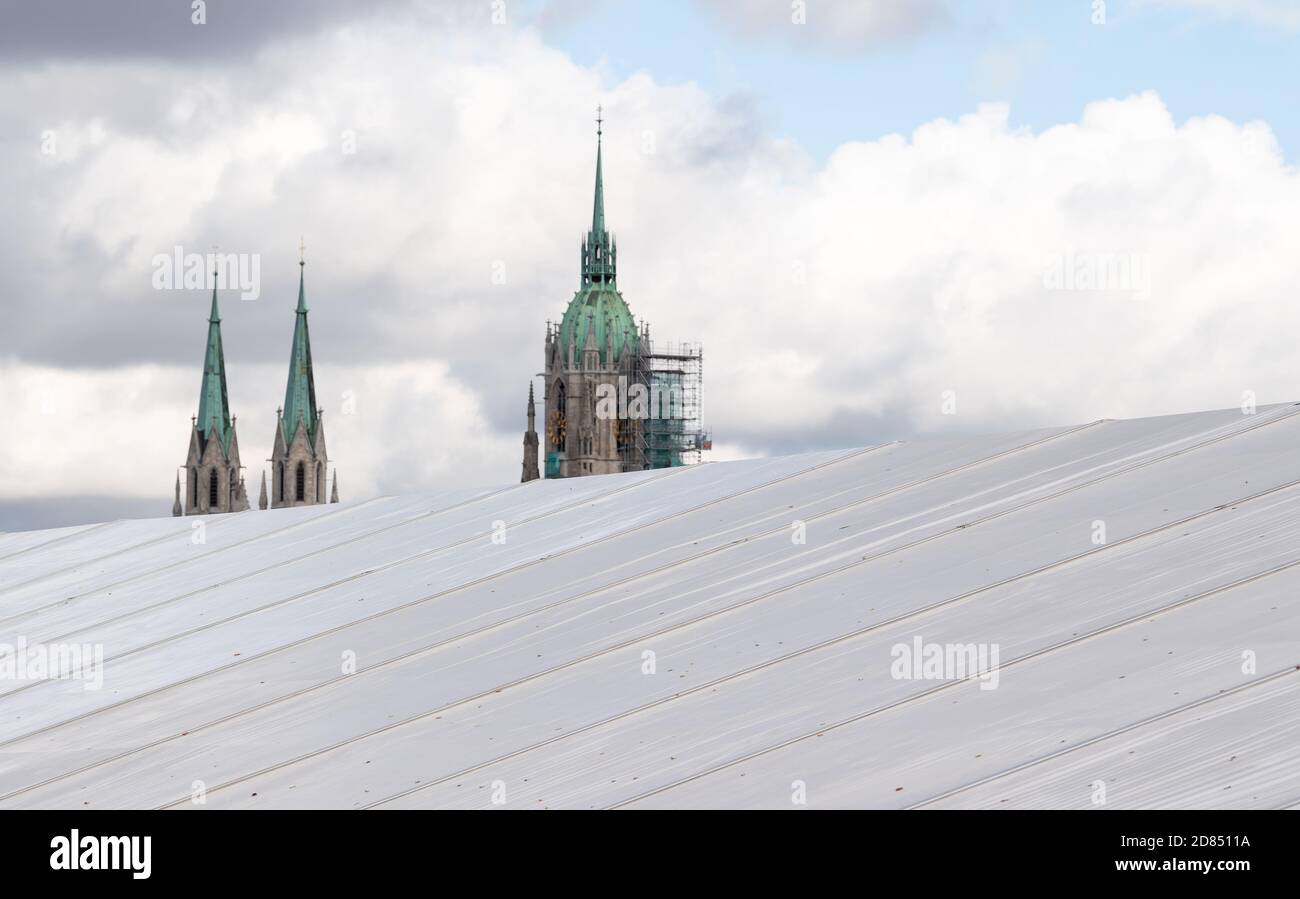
(593, 348)
(299, 461)
(213, 482)
(530, 442)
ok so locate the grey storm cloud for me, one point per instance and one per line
(94, 29)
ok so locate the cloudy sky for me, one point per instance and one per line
(1046, 213)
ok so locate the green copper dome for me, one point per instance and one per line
(600, 307)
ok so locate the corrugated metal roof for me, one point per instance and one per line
(1138, 580)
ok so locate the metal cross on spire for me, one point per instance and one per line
(599, 121)
(302, 251)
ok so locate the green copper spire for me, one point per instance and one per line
(597, 306)
(300, 392)
(598, 204)
(599, 254)
(214, 403)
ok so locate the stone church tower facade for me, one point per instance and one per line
(213, 479)
(593, 346)
(299, 460)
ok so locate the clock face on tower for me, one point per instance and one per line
(555, 430)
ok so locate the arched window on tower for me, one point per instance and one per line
(320, 483)
(558, 431)
(214, 489)
(194, 487)
(280, 482)
(301, 483)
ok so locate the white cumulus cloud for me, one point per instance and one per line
(836, 302)
(1273, 13)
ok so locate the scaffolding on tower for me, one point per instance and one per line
(671, 375)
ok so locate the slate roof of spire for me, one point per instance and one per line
(1120, 647)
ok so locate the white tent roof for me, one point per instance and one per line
(502, 638)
